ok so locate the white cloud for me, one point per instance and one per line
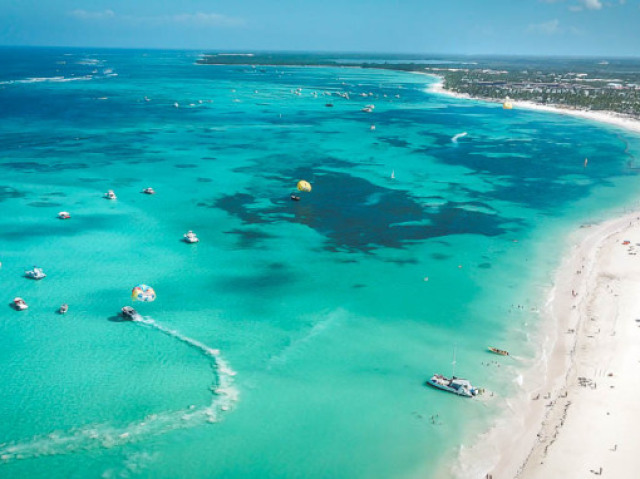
(546, 28)
(188, 19)
(205, 19)
(592, 4)
(580, 5)
(87, 15)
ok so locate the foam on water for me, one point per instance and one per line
(57, 79)
(455, 138)
(105, 435)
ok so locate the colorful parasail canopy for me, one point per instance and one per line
(143, 292)
(304, 186)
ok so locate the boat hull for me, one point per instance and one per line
(457, 392)
(453, 385)
(500, 352)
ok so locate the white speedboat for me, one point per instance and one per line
(64, 215)
(35, 273)
(366, 109)
(190, 237)
(63, 309)
(458, 386)
(110, 195)
(129, 313)
(19, 304)
(149, 191)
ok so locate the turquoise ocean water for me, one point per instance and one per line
(294, 340)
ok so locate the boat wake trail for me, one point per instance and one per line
(328, 320)
(455, 138)
(104, 435)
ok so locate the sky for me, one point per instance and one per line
(510, 27)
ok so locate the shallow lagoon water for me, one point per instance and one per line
(329, 313)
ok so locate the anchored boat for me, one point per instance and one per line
(19, 304)
(501, 352)
(35, 273)
(190, 237)
(454, 385)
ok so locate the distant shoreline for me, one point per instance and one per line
(603, 116)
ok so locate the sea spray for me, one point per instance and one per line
(107, 436)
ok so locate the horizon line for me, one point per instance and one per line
(212, 51)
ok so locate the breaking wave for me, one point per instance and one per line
(47, 79)
(107, 73)
(455, 138)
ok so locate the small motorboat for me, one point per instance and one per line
(19, 304)
(372, 127)
(110, 195)
(294, 197)
(190, 237)
(129, 313)
(63, 309)
(35, 273)
(458, 386)
(366, 109)
(501, 352)
(329, 105)
(64, 215)
(149, 191)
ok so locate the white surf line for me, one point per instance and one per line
(105, 435)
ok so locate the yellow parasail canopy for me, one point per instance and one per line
(304, 186)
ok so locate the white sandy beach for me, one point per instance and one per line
(600, 116)
(581, 420)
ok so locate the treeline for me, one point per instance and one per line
(594, 96)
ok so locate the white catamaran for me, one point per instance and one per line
(454, 385)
